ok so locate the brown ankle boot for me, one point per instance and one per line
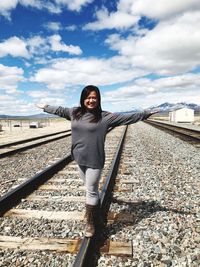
(90, 214)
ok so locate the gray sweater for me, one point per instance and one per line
(88, 138)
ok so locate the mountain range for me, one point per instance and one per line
(170, 106)
(164, 107)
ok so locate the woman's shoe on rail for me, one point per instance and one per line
(90, 214)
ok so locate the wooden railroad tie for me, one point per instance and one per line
(65, 215)
(61, 245)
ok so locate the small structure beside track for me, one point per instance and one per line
(182, 115)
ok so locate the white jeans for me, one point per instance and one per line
(91, 178)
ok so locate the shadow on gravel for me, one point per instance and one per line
(141, 210)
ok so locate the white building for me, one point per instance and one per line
(182, 115)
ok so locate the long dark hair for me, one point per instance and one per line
(81, 110)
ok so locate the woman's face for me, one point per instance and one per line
(91, 102)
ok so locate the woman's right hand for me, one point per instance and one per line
(41, 105)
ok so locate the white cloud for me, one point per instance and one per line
(86, 71)
(74, 5)
(6, 6)
(129, 12)
(56, 26)
(71, 28)
(121, 19)
(20, 106)
(9, 78)
(172, 47)
(163, 9)
(36, 46)
(15, 47)
(53, 26)
(46, 96)
(39, 4)
(147, 92)
(38, 94)
(57, 45)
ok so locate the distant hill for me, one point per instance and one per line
(171, 106)
(35, 116)
(166, 107)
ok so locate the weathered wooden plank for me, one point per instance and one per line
(56, 198)
(117, 248)
(61, 245)
(120, 189)
(55, 187)
(64, 215)
(122, 217)
(68, 172)
(60, 187)
(120, 248)
(124, 181)
(51, 244)
(43, 214)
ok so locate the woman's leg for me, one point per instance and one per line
(91, 178)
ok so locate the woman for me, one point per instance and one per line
(89, 125)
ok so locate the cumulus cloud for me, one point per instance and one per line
(162, 9)
(121, 19)
(6, 6)
(9, 78)
(15, 47)
(71, 28)
(45, 96)
(75, 5)
(145, 92)
(53, 26)
(20, 105)
(36, 46)
(171, 47)
(129, 12)
(84, 71)
(56, 6)
(56, 26)
(58, 46)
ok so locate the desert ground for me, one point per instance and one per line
(14, 130)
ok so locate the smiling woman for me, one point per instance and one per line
(89, 125)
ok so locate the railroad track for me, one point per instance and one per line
(184, 133)
(22, 145)
(152, 214)
(44, 202)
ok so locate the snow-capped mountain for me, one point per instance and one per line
(166, 107)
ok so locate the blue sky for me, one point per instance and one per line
(139, 53)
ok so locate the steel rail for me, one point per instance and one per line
(86, 251)
(13, 197)
(31, 139)
(20, 149)
(189, 133)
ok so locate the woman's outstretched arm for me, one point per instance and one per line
(116, 119)
(56, 110)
